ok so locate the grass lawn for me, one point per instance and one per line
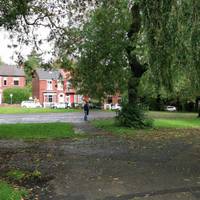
(162, 120)
(37, 131)
(177, 123)
(8, 192)
(171, 115)
(19, 110)
(175, 120)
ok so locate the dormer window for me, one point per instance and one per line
(60, 85)
(49, 85)
(69, 85)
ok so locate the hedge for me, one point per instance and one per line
(19, 95)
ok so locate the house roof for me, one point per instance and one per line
(47, 74)
(11, 70)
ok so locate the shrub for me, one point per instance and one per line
(133, 116)
(19, 95)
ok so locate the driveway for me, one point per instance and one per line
(73, 117)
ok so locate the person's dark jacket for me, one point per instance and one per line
(86, 108)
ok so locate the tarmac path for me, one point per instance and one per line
(102, 166)
(73, 117)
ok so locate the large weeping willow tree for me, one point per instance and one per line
(173, 40)
(161, 36)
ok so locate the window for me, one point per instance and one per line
(69, 85)
(49, 85)
(50, 98)
(68, 98)
(16, 81)
(60, 85)
(80, 98)
(5, 81)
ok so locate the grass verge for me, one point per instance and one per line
(8, 192)
(19, 110)
(159, 124)
(177, 123)
(37, 131)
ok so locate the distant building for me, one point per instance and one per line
(11, 76)
(111, 100)
(54, 86)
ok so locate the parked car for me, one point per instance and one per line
(95, 106)
(78, 105)
(61, 105)
(30, 104)
(170, 108)
(116, 107)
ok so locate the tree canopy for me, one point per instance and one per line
(168, 40)
(32, 63)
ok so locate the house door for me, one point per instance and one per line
(61, 98)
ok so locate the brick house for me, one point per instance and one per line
(11, 76)
(111, 100)
(54, 86)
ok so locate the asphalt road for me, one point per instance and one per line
(75, 117)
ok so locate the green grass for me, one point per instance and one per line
(37, 131)
(177, 123)
(8, 192)
(109, 125)
(19, 110)
(175, 120)
(161, 120)
(171, 115)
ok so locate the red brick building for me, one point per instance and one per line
(54, 86)
(11, 76)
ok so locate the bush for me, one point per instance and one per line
(19, 95)
(133, 116)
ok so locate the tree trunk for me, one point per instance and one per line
(197, 106)
(137, 69)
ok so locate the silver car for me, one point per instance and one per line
(30, 104)
(171, 108)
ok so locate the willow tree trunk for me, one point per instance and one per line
(198, 106)
(137, 69)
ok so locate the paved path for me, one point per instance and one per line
(73, 117)
(107, 167)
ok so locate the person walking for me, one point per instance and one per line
(86, 110)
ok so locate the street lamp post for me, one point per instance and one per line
(11, 98)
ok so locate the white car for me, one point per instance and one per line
(171, 108)
(30, 104)
(116, 107)
(61, 105)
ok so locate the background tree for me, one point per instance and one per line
(31, 64)
(102, 69)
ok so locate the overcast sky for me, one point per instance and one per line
(9, 56)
